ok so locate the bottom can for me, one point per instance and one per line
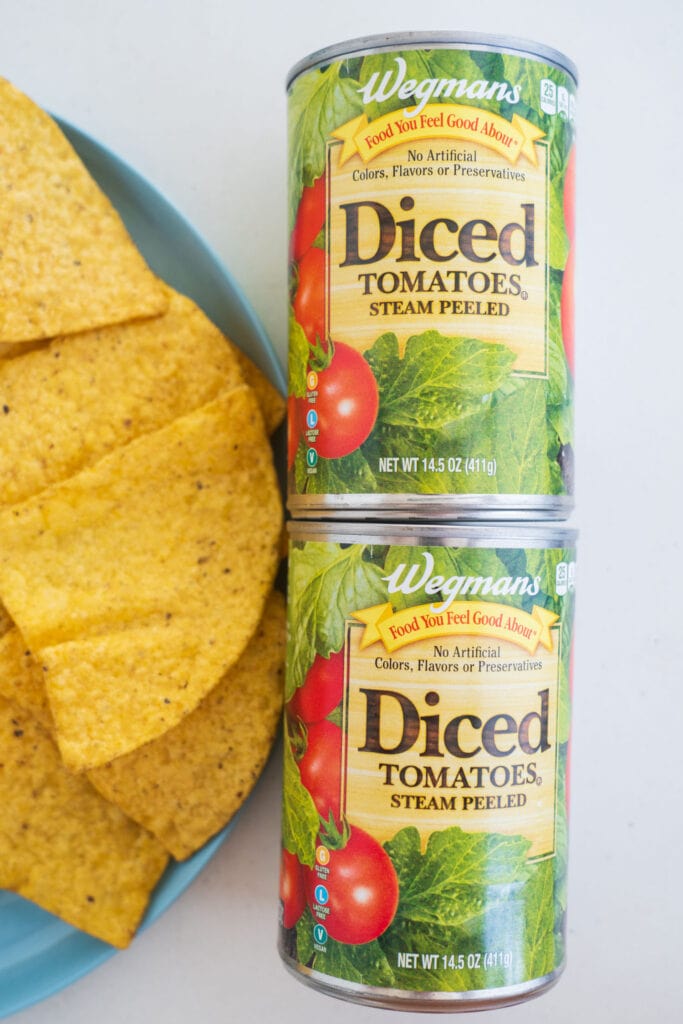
(427, 724)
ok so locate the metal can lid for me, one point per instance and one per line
(434, 40)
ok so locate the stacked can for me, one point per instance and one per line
(431, 601)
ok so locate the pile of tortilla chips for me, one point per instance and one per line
(141, 640)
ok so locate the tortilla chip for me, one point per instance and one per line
(137, 583)
(63, 846)
(21, 680)
(10, 349)
(271, 402)
(77, 398)
(67, 262)
(5, 620)
(65, 406)
(187, 784)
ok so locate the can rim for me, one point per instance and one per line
(427, 508)
(434, 40)
(411, 534)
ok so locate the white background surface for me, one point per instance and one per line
(191, 93)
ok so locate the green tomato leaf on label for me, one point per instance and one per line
(521, 427)
(470, 894)
(436, 378)
(341, 582)
(491, 65)
(365, 964)
(459, 876)
(298, 357)
(565, 704)
(480, 78)
(427, 972)
(319, 102)
(539, 897)
(559, 240)
(561, 839)
(561, 423)
(305, 949)
(560, 384)
(348, 475)
(300, 821)
(384, 361)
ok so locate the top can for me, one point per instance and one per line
(431, 204)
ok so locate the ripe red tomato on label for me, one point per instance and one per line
(320, 768)
(310, 218)
(569, 195)
(321, 691)
(567, 310)
(309, 301)
(292, 889)
(347, 403)
(362, 890)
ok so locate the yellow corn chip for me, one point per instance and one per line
(188, 783)
(65, 406)
(21, 680)
(137, 583)
(63, 846)
(271, 402)
(68, 263)
(10, 349)
(5, 620)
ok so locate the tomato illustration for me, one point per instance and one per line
(567, 310)
(362, 890)
(569, 195)
(309, 301)
(292, 889)
(347, 403)
(309, 219)
(320, 767)
(321, 691)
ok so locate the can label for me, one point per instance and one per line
(431, 331)
(425, 795)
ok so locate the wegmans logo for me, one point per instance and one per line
(397, 628)
(408, 579)
(394, 82)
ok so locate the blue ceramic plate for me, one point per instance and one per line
(39, 954)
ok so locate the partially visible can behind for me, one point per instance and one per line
(427, 727)
(431, 204)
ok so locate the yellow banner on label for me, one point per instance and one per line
(511, 139)
(462, 618)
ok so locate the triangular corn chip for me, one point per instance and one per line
(137, 583)
(66, 405)
(67, 262)
(62, 845)
(185, 785)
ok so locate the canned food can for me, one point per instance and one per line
(431, 332)
(427, 727)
